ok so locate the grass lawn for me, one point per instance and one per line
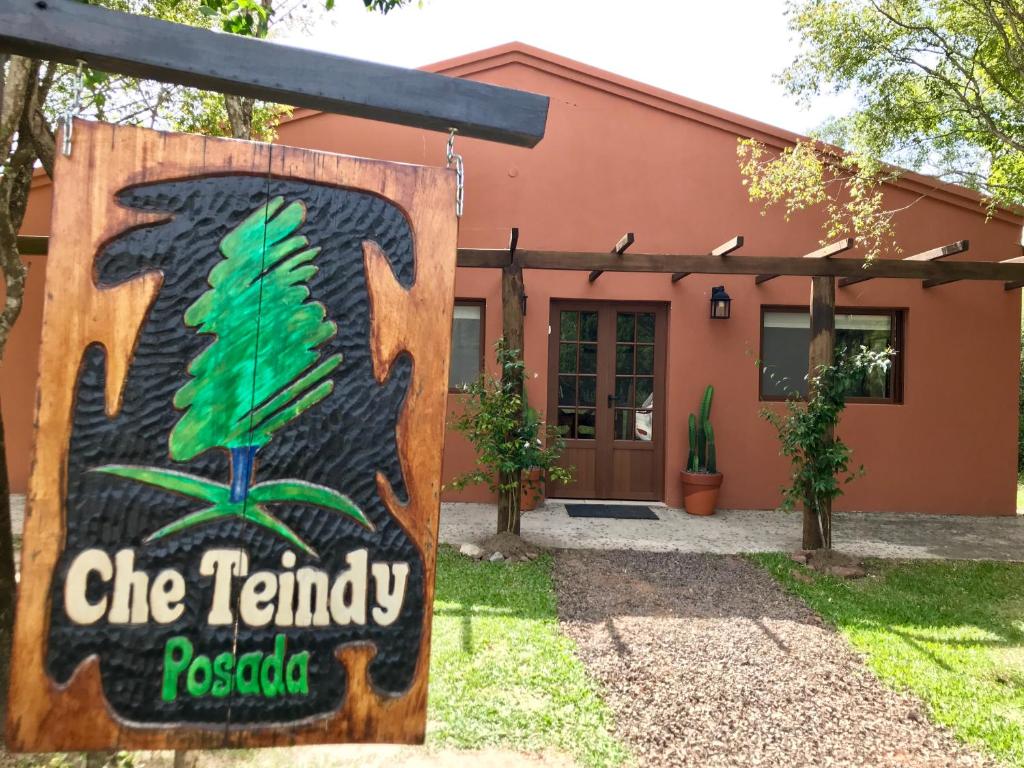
(502, 674)
(950, 632)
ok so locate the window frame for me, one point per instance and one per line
(898, 316)
(471, 302)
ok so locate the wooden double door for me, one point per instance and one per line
(606, 393)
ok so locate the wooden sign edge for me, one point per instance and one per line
(43, 716)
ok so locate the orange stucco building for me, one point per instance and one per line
(938, 435)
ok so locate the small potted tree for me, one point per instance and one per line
(532, 477)
(701, 478)
(515, 451)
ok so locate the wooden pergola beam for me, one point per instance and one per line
(824, 252)
(932, 254)
(1009, 270)
(723, 250)
(1013, 284)
(939, 253)
(68, 31)
(620, 248)
(742, 265)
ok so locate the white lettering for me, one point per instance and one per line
(389, 600)
(165, 597)
(76, 604)
(131, 588)
(222, 564)
(348, 593)
(254, 604)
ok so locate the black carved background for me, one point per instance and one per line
(341, 443)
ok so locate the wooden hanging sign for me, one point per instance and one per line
(233, 509)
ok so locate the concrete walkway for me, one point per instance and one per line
(868, 534)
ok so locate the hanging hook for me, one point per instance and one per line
(72, 110)
(460, 172)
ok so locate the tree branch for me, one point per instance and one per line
(12, 99)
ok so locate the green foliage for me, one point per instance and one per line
(253, 18)
(701, 456)
(950, 633)
(691, 457)
(502, 674)
(378, 5)
(820, 459)
(509, 435)
(848, 187)
(205, 113)
(712, 459)
(939, 88)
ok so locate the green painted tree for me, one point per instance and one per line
(261, 371)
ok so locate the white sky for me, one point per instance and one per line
(723, 52)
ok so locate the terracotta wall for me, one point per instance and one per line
(18, 368)
(611, 164)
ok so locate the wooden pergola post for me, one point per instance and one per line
(821, 352)
(512, 293)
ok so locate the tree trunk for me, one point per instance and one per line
(817, 532)
(20, 93)
(812, 538)
(512, 329)
(509, 512)
(239, 111)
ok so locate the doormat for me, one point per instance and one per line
(615, 511)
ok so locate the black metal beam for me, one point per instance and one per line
(70, 31)
(33, 245)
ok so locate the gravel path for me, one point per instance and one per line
(706, 662)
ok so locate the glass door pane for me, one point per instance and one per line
(577, 374)
(634, 376)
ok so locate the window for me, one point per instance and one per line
(467, 344)
(786, 335)
(577, 375)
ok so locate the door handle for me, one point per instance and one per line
(612, 400)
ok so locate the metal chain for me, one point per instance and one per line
(460, 172)
(72, 110)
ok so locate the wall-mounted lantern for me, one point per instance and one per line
(720, 302)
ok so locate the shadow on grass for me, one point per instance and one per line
(950, 632)
(501, 672)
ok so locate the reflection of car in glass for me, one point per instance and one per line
(644, 419)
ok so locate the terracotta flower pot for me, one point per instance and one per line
(700, 492)
(532, 492)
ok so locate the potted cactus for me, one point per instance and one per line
(701, 478)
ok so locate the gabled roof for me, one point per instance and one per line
(520, 53)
